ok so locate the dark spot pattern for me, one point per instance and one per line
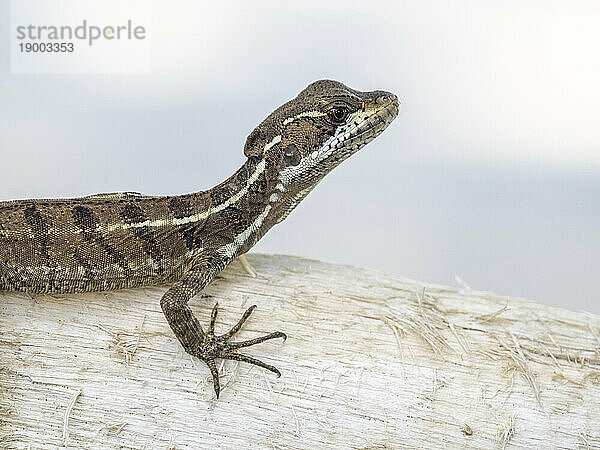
(190, 232)
(84, 218)
(220, 194)
(235, 219)
(83, 262)
(86, 221)
(180, 208)
(257, 192)
(134, 214)
(39, 227)
(255, 143)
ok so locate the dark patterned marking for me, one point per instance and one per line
(190, 232)
(84, 218)
(83, 262)
(255, 142)
(220, 194)
(242, 175)
(180, 208)
(234, 219)
(86, 221)
(133, 214)
(224, 226)
(257, 192)
(39, 227)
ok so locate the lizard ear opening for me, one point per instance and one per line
(254, 144)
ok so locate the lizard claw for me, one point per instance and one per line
(215, 347)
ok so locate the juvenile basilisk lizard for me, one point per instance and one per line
(125, 240)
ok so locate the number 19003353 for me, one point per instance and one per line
(47, 47)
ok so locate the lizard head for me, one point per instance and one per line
(305, 138)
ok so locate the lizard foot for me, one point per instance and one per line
(218, 347)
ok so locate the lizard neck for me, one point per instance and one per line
(241, 209)
(247, 190)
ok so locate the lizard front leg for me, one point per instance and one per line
(206, 345)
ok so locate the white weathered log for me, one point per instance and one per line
(372, 361)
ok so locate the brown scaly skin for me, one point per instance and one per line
(124, 240)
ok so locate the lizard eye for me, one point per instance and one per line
(338, 114)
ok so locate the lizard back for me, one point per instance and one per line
(98, 242)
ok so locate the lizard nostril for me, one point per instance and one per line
(386, 99)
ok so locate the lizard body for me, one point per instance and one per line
(125, 240)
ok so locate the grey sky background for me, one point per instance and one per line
(491, 172)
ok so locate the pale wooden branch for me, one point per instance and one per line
(372, 361)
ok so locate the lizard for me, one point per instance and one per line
(126, 240)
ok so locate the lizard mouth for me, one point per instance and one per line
(379, 114)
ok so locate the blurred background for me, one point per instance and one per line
(491, 171)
